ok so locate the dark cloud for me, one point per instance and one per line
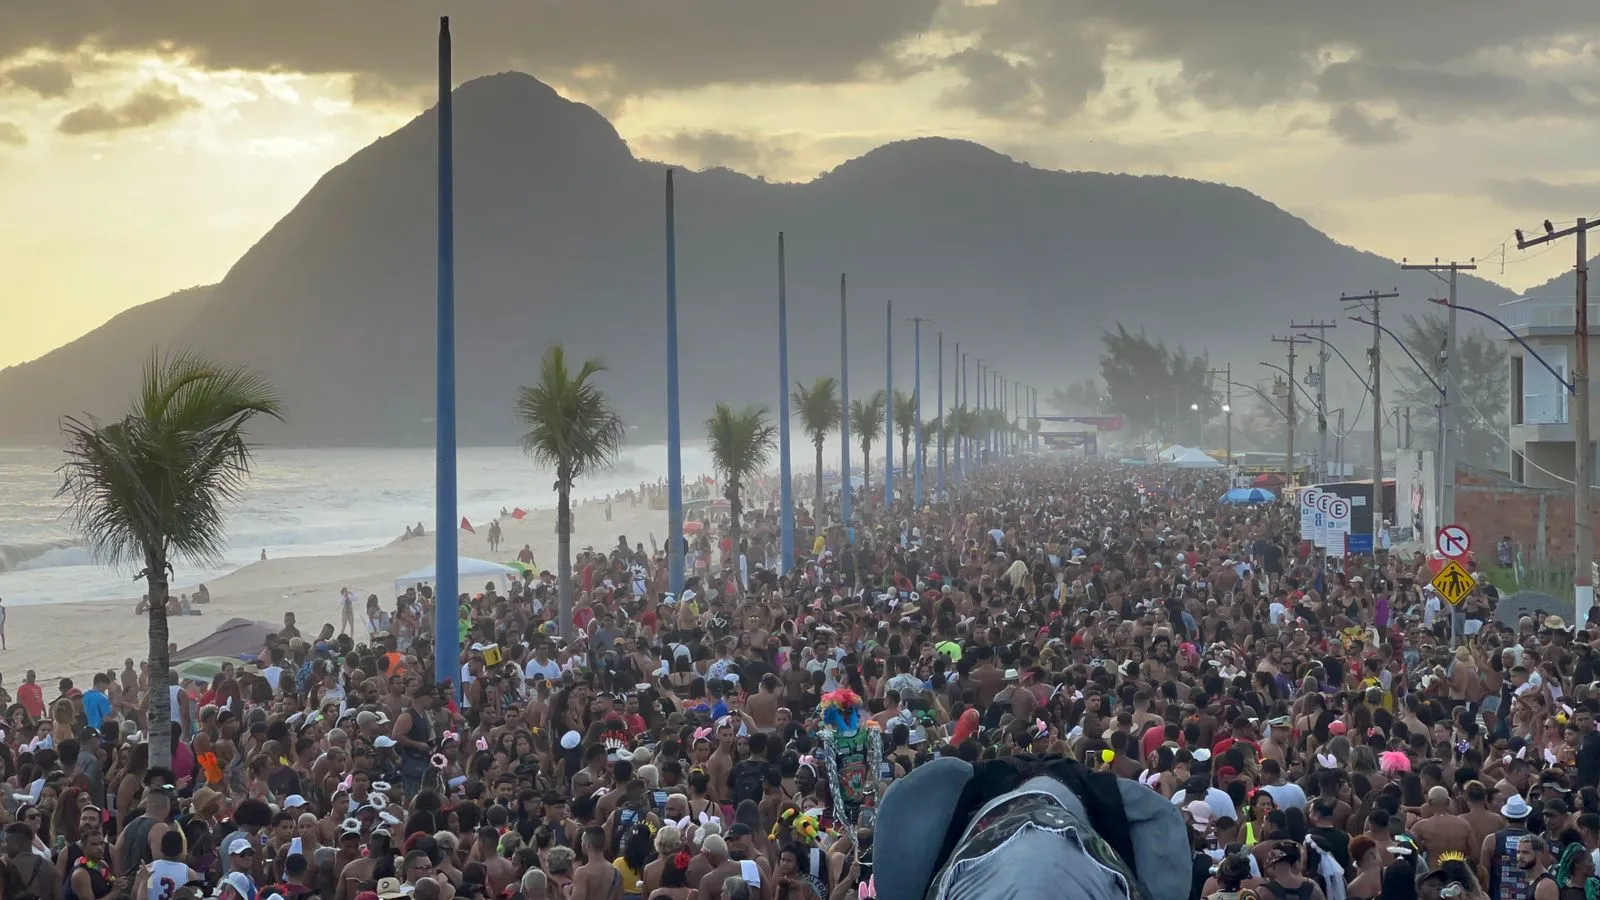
(12, 135)
(1539, 195)
(155, 102)
(1033, 60)
(709, 148)
(1353, 126)
(636, 45)
(991, 84)
(1230, 54)
(50, 79)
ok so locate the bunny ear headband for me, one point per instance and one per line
(702, 734)
(1327, 761)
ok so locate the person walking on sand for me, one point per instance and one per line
(2, 623)
(347, 611)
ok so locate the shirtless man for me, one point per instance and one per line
(1440, 831)
(596, 879)
(1483, 820)
(720, 765)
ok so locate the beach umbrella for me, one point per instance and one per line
(1247, 496)
(203, 669)
(692, 527)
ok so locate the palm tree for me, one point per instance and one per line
(741, 442)
(817, 407)
(905, 421)
(930, 430)
(573, 429)
(154, 486)
(963, 421)
(1033, 434)
(866, 421)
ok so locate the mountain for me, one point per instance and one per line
(94, 373)
(559, 237)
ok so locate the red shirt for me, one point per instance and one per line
(31, 696)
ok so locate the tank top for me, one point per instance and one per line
(1507, 881)
(166, 876)
(99, 880)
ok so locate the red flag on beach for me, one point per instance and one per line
(518, 513)
(467, 526)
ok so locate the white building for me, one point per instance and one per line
(1542, 453)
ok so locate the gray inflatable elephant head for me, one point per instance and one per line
(1027, 826)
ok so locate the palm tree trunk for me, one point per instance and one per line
(905, 452)
(159, 724)
(564, 558)
(866, 468)
(736, 512)
(816, 511)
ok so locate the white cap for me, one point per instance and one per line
(571, 740)
(383, 741)
(294, 800)
(240, 845)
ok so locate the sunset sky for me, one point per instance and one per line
(144, 146)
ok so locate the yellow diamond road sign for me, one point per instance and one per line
(1453, 582)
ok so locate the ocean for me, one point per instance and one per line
(299, 502)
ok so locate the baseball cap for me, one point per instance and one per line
(383, 742)
(240, 845)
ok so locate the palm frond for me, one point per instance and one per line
(741, 441)
(866, 418)
(817, 407)
(159, 481)
(572, 426)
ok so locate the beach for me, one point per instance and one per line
(76, 639)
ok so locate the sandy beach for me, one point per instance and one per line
(77, 639)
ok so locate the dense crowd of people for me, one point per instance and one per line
(1309, 725)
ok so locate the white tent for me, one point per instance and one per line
(1172, 452)
(469, 570)
(1190, 458)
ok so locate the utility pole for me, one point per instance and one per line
(1449, 440)
(1288, 456)
(1583, 471)
(1227, 408)
(1375, 299)
(1321, 328)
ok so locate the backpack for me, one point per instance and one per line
(749, 781)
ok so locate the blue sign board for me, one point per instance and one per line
(1358, 543)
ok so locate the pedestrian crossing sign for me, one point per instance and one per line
(1453, 583)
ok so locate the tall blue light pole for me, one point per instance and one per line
(938, 400)
(845, 486)
(888, 419)
(982, 439)
(674, 428)
(786, 486)
(961, 404)
(447, 581)
(916, 404)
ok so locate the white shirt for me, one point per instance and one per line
(1219, 801)
(548, 669)
(1276, 613)
(1286, 795)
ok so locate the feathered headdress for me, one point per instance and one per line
(841, 699)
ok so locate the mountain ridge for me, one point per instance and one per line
(559, 237)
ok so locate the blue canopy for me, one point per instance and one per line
(1247, 496)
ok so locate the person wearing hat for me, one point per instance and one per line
(241, 859)
(1501, 854)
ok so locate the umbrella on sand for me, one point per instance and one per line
(1246, 496)
(205, 668)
